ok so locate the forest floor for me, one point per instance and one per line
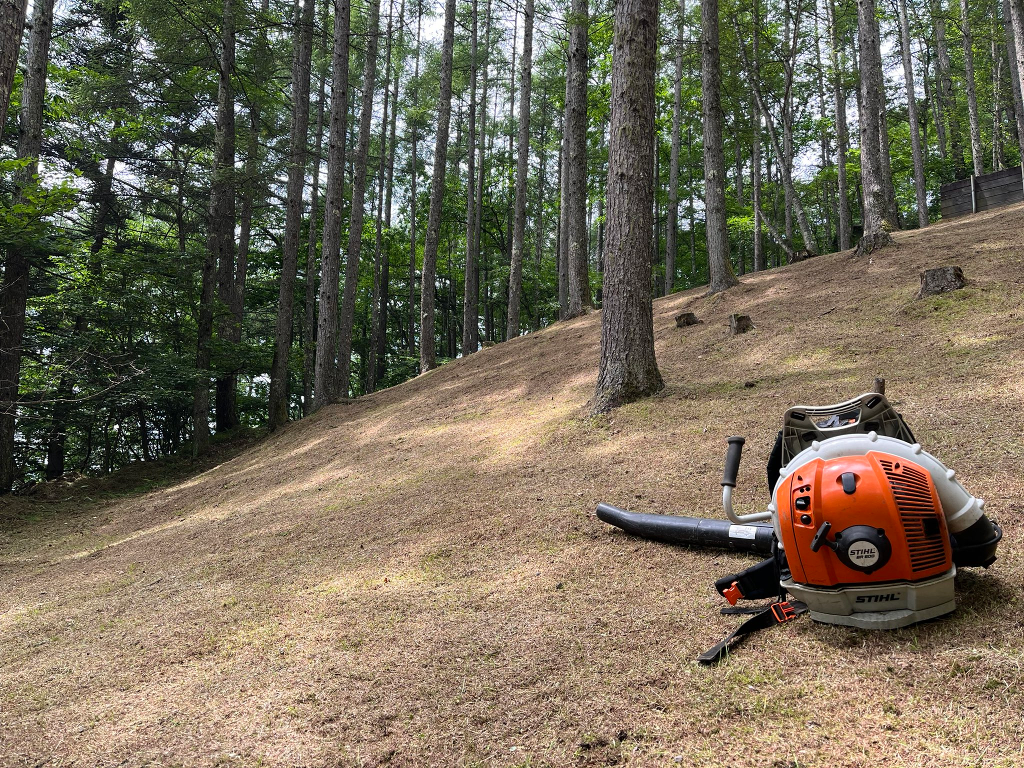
(417, 578)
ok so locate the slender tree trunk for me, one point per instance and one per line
(413, 175)
(346, 322)
(515, 291)
(842, 139)
(12, 26)
(691, 208)
(628, 369)
(755, 184)
(223, 219)
(538, 220)
(563, 231)
(301, 57)
(325, 385)
(510, 179)
(221, 250)
(1017, 23)
(471, 315)
(428, 358)
(915, 132)
(720, 271)
(470, 308)
(575, 201)
(977, 151)
(1013, 21)
(309, 314)
(998, 161)
(872, 91)
(946, 96)
(672, 235)
(826, 145)
(382, 260)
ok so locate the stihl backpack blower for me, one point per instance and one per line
(866, 528)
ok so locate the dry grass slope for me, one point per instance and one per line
(417, 578)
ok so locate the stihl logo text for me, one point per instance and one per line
(878, 598)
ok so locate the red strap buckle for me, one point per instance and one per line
(733, 593)
(783, 612)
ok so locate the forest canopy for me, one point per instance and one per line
(217, 216)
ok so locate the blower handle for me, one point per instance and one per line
(732, 461)
(732, 469)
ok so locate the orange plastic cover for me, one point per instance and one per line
(891, 494)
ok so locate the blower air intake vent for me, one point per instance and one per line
(918, 513)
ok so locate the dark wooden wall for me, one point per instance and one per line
(993, 190)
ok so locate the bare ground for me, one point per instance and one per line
(418, 578)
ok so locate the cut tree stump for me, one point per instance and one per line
(687, 318)
(739, 324)
(941, 280)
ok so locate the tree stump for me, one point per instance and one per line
(739, 324)
(687, 318)
(941, 280)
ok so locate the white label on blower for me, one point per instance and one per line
(743, 532)
(863, 554)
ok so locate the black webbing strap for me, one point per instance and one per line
(776, 613)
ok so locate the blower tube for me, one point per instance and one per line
(696, 531)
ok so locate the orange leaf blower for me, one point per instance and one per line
(865, 528)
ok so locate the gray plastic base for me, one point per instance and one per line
(885, 619)
(878, 606)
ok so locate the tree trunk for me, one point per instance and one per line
(325, 384)
(1013, 20)
(915, 131)
(755, 185)
(672, 235)
(428, 358)
(563, 232)
(12, 27)
(628, 368)
(309, 314)
(293, 217)
(382, 260)
(538, 221)
(14, 288)
(412, 197)
(998, 160)
(510, 176)
(826, 144)
(1017, 22)
(471, 315)
(346, 322)
(470, 308)
(515, 290)
(222, 213)
(838, 62)
(946, 98)
(575, 166)
(977, 151)
(720, 272)
(872, 92)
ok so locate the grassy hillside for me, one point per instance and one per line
(418, 578)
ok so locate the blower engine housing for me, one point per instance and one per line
(866, 541)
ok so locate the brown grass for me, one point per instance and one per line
(418, 578)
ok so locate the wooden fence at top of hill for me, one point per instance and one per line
(982, 193)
